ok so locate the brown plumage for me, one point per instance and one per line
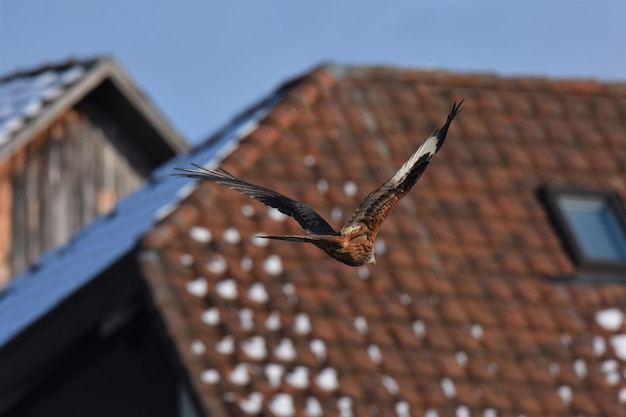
(354, 244)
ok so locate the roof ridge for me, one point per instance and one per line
(58, 66)
(582, 85)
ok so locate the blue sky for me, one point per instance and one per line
(201, 62)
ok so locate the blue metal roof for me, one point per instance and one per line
(24, 96)
(94, 248)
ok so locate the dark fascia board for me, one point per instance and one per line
(105, 68)
(549, 194)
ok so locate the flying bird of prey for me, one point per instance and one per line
(354, 244)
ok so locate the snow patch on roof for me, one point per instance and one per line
(374, 353)
(253, 404)
(490, 412)
(309, 161)
(327, 379)
(257, 293)
(336, 214)
(622, 395)
(197, 347)
(380, 246)
(318, 347)
(566, 340)
(402, 409)
(210, 376)
(274, 373)
(226, 345)
(246, 263)
(200, 234)
(282, 405)
(322, 186)
(240, 375)
(461, 358)
(344, 404)
(431, 413)
(302, 324)
(477, 331)
(186, 259)
(197, 287)
(313, 407)
(273, 321)
(619, 345)
(285, 350)
(610, 368)
(363, 272)
(448, 388)
(217, 264)
(248, 210)
(405, 299)
(390, 384)
(255, 347)
(290, 291)
(298, 377)
(227, 289)
(565, 392)
(273, 265)
(580, 367)
(231, 236)
(554, 368)
(360, 324)
(350, 188)
(211, 316)
(598, 345)
(246, 319)
(419, 328)
(462, 411)
(610, 319)
(609, 365)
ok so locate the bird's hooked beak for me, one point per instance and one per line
(372, 259)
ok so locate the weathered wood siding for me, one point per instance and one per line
(61, 180)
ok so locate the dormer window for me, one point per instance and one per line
(592, 224)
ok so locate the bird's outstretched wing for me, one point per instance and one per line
(310, 220)
(373, 210)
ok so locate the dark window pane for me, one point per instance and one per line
(596, 228)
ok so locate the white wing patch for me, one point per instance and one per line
(351, 229)
(428, 147)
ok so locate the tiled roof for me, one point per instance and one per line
(458, 317)
(61, 272)
(24, 96)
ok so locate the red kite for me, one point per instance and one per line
(354, 244)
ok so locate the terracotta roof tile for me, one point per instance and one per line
(458, 314)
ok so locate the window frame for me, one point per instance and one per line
(550, 195)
